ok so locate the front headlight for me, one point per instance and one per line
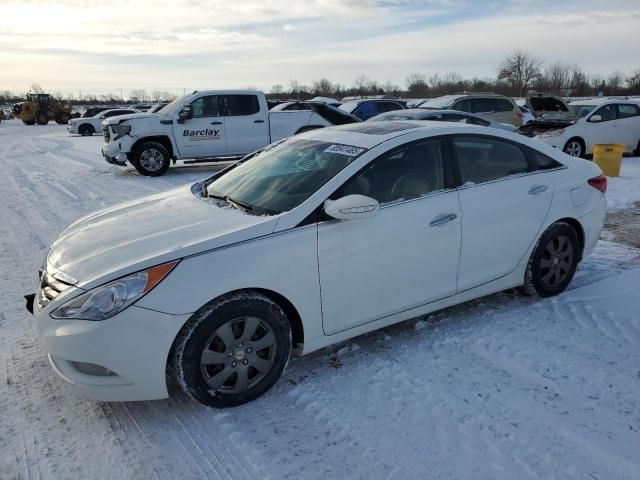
(121, 130)
(110, 299)
(552, 133)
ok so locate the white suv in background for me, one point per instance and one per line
(497, 107)
(86, 126)
(599, 121)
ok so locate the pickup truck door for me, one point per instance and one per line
(203, 135)
(246, 123)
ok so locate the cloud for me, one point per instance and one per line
(112, 44)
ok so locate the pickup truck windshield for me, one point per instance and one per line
(281, 178)
(170, 107)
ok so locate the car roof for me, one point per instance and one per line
(369, 134)
(422, 113)
(605, 101)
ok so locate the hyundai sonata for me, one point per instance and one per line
(311, 241)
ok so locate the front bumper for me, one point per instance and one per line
(72, 128)
(126, 355)
(112, 154)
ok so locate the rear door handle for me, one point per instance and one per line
(537, 189)
(216, 123)
(442, 219)
(258, 121)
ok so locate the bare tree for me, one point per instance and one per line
(156, 95)
(323, 88)
(633, 81)
(36, 88)
(417, 85)
(390, 88)
(556, 79)
(138, 95)
(277, 89)
(451, 82)
(614, 82)
(363, 86)
(520, 70)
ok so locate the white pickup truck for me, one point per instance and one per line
(204, 126)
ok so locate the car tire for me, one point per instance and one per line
(219, 363)
(574, 147)
(63, 118)
(86, 130)
(151, 159)
(41, 117)
(553, 262)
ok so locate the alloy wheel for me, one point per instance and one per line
(556, 262)
(573, 148)
(238, 355)
(151, 160)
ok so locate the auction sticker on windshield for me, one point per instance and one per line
(347, 150)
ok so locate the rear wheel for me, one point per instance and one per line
(85, 130)
(151, 159)
(553, 262)
(233, 350)
(574, 147)
(41, 117)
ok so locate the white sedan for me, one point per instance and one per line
(90, 125)
(443, 116)
(314, 240)
(599, 121)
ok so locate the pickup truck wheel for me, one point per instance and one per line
(151, 159)
(85, 130)
(232, 350)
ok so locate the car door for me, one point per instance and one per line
(404, 256)
(503, 204)
(203, 135)
(605, 130)
(246, 125)
(629, 119)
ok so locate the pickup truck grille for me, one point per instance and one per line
(50, 288)
(106, 132)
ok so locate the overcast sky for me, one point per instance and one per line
(102, 46)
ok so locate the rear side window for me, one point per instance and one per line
(540, 161)
(366, 110)
(463, 106)
(235, 105)
(502, 105)
(481, 105)
(410, 172)
(628, 110)
(482, 159)
(388, 107)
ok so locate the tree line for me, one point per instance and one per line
(516, 75)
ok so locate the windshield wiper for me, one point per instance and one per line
(234, 203)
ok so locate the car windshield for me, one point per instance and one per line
(581, 110)
(391, 116)
(281, 178)
(170, 107)
(438, 103)
(349, 106)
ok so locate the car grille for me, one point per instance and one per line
(106, 132)
(50, 288)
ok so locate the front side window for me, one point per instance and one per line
(282, 177)
(606, 112)
(236, 105)
(388, 107)
(628, 110)
(410, 172)
(366, 110)
(482, 105)
(463, 106)
(206, 107)
(486, 159)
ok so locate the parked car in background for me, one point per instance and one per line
(441, 115)
(369, 107)
(158, 106)
(322, 237)
(502, 109)
(93, 111)
(206, 126)
(86, 126)
(527, 115)
(599, 121)
(329, 101)
(416, 102)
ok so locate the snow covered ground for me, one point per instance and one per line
(504, 387)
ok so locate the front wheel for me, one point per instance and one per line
(151, 159)
(41, 117)
(553, 262)
(574, 148)
(233, 350)
(86, 130)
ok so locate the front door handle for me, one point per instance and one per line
(537, 189)
(258, 121)
(216, 123)
(442, 219)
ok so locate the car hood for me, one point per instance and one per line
(549, 107)
(129, 116)
(149, 231)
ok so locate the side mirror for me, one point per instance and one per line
(185, 114)
(595, 118)
(351, 207)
